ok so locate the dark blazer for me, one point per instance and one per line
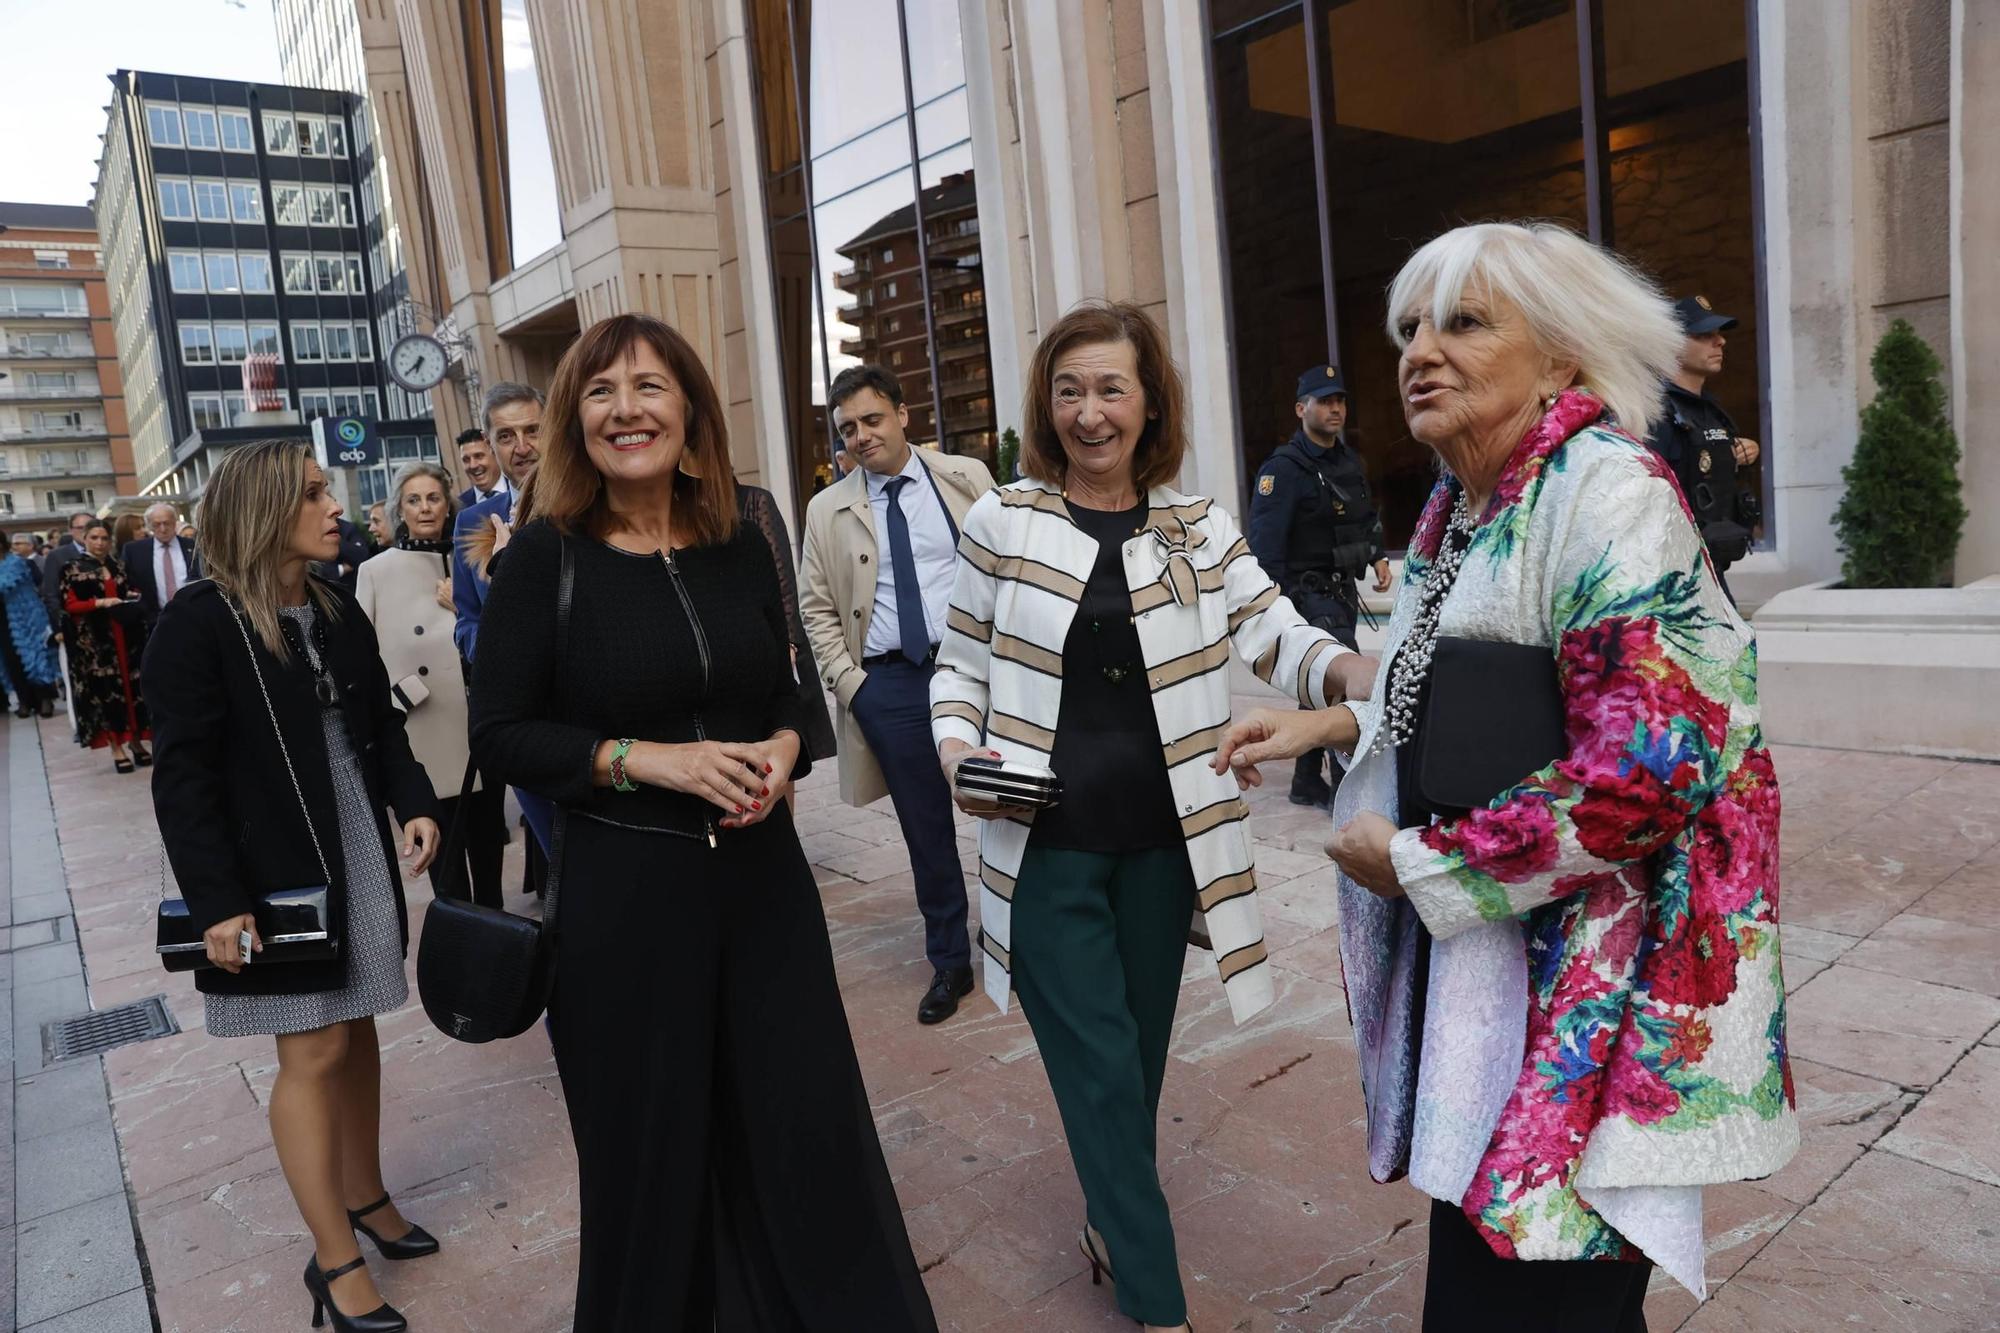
(468, 589)
(138, 560)
(353, 550)
(220, 790)
(59, 557)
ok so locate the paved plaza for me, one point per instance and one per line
(1889, 1219)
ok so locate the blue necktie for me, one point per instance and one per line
(910, 618)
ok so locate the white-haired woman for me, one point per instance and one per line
(1566, 998)
(262, 627)
(406, 592)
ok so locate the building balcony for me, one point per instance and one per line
(21, 312)
(89, 472)
(952, 278)
(970, 348)
(23, 352)
(861, 347)
(962, 314)
(87, 392)
(849, 279)
(29, 434)
(952, 244)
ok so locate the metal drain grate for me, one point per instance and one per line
(102, 1029)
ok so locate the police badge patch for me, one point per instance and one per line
(1265, 484)
(1706, 462)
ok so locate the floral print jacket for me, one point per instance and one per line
(1630, 887)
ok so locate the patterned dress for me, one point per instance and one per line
(27, 662)
(374, 941)
(104, 651)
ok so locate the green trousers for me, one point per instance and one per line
(1098, 942)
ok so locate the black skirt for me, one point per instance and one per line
(730, 1172)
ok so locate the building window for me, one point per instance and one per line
(336, 137)
(221, 267)
(163, 124)
(306, 342)
(312, 137)
(346, 197)
(319, 206)
(1337, 188)
(211, 201)
(51, 259)
(889, 254)
(339, 342)
(314, 403)
(200, 124)
(231, 345)
(349, 403)
(206, 410)
(889, 289)
(328, 269)
(197, 344)
(245, 204)
(184, 270)
(361, 349)
(289, 203)
(255, 268)
(234, 408)
(236, 133)
(264, 341)
(298, 274)
(280, 138)
(176, 199)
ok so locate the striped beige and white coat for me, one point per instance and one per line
(1196, 590)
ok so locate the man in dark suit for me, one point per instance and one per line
(477, 460)
(161, 563)
(60, 557)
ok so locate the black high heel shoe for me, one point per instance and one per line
(384, 1318)
(142, 756)
(1100, 1267)
(413, 1244)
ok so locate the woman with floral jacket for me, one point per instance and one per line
(1568, 1005)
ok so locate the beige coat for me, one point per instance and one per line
(837, 595)
(398, 591)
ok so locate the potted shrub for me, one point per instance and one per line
(1901, 518)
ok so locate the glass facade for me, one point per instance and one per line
(1349, 132)
(874, 231)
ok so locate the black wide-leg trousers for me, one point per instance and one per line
(729, 1170)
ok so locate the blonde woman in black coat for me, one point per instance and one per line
(223, 790)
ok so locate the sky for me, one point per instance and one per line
(53, 96)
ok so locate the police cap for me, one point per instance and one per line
(1698, 316)
(1319, 382)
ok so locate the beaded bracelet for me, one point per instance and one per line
(620, 782)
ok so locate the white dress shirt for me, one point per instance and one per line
(932, 545)
(164, 555)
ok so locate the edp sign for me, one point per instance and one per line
(346, 442)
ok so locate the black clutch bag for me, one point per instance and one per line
(483, 973)
(1008, 782)
(1493, 715)
(294, 925)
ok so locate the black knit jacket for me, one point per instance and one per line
(633, 664)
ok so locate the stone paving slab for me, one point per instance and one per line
(1896, 1038)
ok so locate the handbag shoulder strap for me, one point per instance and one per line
(277, 731)
(565, 592)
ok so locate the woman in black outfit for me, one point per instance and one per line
(234, 823)
(730, 1173)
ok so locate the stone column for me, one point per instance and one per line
(625, 86)
(1975, 277)
(1805, 54)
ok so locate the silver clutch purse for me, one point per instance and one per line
(1008, 782)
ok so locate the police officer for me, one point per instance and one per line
(1699, 441)
(1314, 529)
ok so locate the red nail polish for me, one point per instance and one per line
(756, 805)
(739, 809)
(767, 770)
(765, 792)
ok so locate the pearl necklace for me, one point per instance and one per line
(1413, 660)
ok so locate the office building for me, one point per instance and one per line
(63, 442)
(238, 223)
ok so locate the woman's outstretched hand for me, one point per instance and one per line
(1268, 734)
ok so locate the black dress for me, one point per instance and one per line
(730, 1175)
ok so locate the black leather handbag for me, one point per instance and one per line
(483, 973)
(1493, 715)
(295, 925)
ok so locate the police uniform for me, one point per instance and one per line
(1314, 529)
(1698, 440)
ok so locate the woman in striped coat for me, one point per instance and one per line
(1089, 632)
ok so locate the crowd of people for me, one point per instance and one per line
(1560, 946)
